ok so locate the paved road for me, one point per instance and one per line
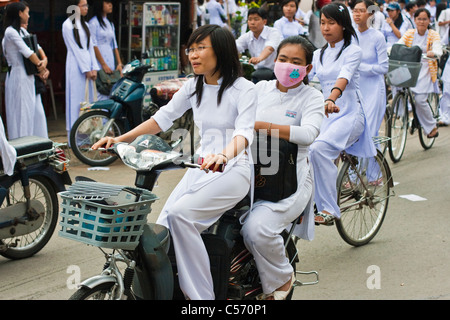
(408, 259)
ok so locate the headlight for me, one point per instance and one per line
(146, 159)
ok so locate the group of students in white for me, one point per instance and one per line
(91, 46)
(227, 111)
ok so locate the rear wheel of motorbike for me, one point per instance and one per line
(29, 244)
(86, 131)
(103, 291)
(244, 278)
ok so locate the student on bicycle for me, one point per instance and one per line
(289, 109)
(374, 65)
(429, 41)
(345, 128)
(224, 106)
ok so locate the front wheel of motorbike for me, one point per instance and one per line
(29, 244)
(103, 291)
(86, 131)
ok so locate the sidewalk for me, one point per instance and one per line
(57, 128)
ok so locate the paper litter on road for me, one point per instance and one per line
(98, 168)
(412, 197)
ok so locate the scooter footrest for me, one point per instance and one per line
(299, 283)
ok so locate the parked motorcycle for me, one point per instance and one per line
(28, 198)
(142, 263)
(117, 115)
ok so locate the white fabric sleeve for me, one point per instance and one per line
(312, 117)
(245, 121)
(176, 107)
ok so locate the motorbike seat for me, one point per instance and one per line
(245, 202)
(30, 144)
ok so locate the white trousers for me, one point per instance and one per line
(193, 213)
(261, 232)
(323, 155)
(424, 113)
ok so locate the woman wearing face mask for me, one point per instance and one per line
(336, 66)
(290, 110)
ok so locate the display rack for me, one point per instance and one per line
(150, 32)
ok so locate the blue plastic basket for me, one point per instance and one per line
(116, 226)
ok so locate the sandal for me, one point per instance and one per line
(435, 135)
(282, 295)
(322, 218)
(442, 124)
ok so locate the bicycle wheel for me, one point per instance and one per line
(363, 197)
(398, 127)
(86, 131)
(433, 103)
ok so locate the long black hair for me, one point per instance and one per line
(224, 46)
(339, 13)
(84, 25)
(304, 43)
(12, 17)
(98, 11)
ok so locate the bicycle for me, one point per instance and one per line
(364, 188)
(399, 122)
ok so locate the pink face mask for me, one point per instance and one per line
(289, 74)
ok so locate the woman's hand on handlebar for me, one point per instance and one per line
(213, 162)
(104, 142)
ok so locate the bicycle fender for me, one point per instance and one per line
(97, 280)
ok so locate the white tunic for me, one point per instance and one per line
(302, 109)
(7, 152)
(217, 126)
(337, 128)
(24, 111)
(289, 28)
(374, 65)
(215, 10)
(424, 83)
(104, 38)
(391, 38)
(78, 62)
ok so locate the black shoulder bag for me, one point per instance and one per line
(31, 42)
(275, 162)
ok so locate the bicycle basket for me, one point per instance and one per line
(403, 73)
(113, 219)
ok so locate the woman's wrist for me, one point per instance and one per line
(224, 155)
